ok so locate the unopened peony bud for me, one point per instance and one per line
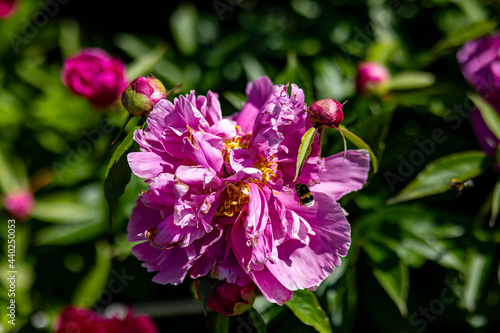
(326, 112)
(87, 321)
(19, 204)
(8, 8)
(372, 79)
(230, 299)
(142, 94)
(95, 75)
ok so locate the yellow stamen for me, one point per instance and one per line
(237, 196)
(236, 142)
(268, 169)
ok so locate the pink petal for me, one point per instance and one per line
(258, 92)
(344, 176)
(167, 234)
(319, 258)
(270, 286)
(141, 218)
(147, 164)
(172, 265)
(197, 179)
(219, 263)
(265, 136)
(204, 149)
(213, 113)
(225, 129)
(160, 194)
(245, 174)
(241, 158)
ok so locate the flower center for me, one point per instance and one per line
(239, 141)
(268, 168)
(237, 196)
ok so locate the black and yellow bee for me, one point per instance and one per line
(457, 186)
(305, 196)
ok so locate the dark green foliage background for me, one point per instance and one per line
(403, 258)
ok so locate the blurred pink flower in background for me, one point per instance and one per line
(479, 61)
(87, 321)
(221, 201)
(95, 75)
(8, 8)
(372, 78)
(19, 204)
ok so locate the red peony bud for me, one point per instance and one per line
(372, 79)
(326, 112)
(95, 75)
(88, 321)
(230, 299)
(8, 8)
(19, 204)
(142, 94)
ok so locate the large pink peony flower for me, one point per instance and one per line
(95, 75)
(221, 199)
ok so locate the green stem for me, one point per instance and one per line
(121, 129)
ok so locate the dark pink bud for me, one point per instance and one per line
(19, 204)
(95, 75)
(372, 79)
(142, 94)
(8, 8)
(81, 320)
(132, 324)
(230, 299)
(88, 321)
(326, 112)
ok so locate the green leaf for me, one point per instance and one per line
(463, 34)
(69, 234)
(436, 176)
(304, 150)
(253, 68)
(475, 278)
(65, 207)
(13, 173)
(395, 281)
(146, 62)
(235, 98)
(411, 80)
(495, 204)
(118, 172)
(69, 37)
(305, 306)
(295, 72)
(258, 321)
(183, 22)
(222, 324)
(205, 286)
(358, 142)
(490, 115)
(93, 284)
(328, 80)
